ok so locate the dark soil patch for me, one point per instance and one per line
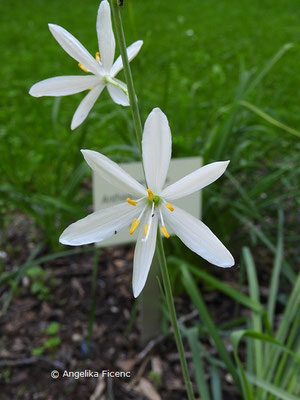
(67, 301)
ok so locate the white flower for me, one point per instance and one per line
(151, 207)
(102, 68)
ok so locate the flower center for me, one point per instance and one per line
(152, 198)
(106, 78)
(154, 202)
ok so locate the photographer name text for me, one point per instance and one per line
(88, 373)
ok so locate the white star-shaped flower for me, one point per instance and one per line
(152, 206)
(102, 67)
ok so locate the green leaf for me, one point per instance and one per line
(35, 271)
(256, 318)
(195, 295)
(219, 285)
(53, 328)
(37, 287)
(268, 387)
(192, 335)
(37, 351)
(236, 337)
(270, 119)
(269, 65)
(216, 386)
(286, 331)
(288, 270)
(52, 342)
(276, 269)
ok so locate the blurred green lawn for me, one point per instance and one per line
(189, 66)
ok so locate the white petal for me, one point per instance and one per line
(132, 51)
(117, 94)
(196, 180)
(85, 106)
(112, 173)
(63, 85)
(105, 34)
(198, 237)
(74, 48)
(99, 225)
(157, 147)
(143, 255)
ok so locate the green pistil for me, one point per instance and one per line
(157, 200)
(112, 81)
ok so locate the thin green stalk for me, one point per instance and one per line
(172, 312)
(130, 87)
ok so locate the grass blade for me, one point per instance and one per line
(269, 66)
(195, 295)
(216, 387)
(276, 269)
(288, 270)
(256, 318)
(192, 335)
(219, 285)
(269, 119)
(289, 316)
(235, 338)
(268, 387)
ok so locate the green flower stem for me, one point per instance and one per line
(172, 312)
(130, 87)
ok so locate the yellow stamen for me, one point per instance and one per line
(97, 56)
(164, 231)
(150, 194)
(169, 206)
(132, 202)
(146, 229)
(134, 225)
(83, 67)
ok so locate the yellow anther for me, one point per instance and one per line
(134, 225)
(83, 67)
(132, 202)
(150, 194)
(146, 229)
(97, 56)
(169, 206)
(164, 231)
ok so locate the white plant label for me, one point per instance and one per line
(106, 195)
